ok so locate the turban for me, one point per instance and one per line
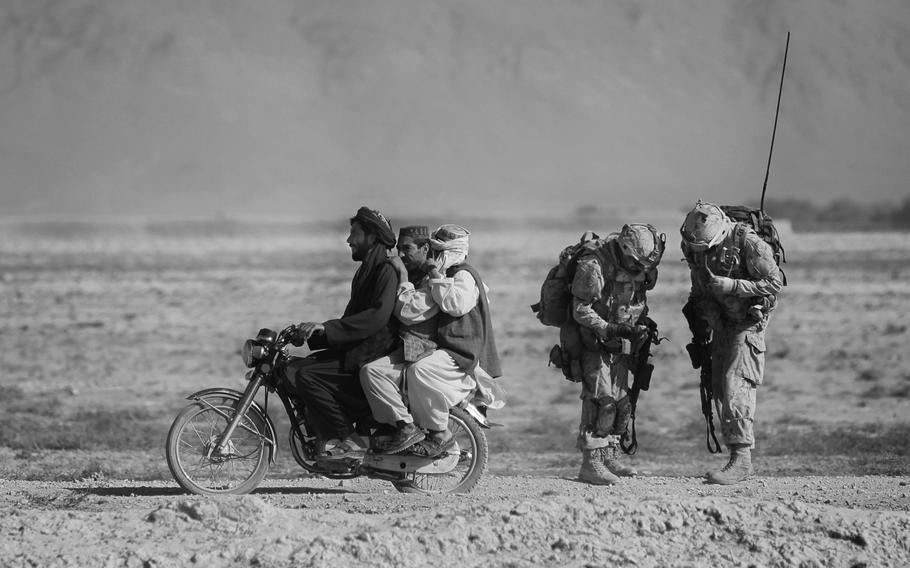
(452, 240)
(377, 224)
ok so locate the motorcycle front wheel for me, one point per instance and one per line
(473, 453)
(193, 453)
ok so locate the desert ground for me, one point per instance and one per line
(107, 328)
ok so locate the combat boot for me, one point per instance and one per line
(737, 469)
(612, 461)
(593, 470)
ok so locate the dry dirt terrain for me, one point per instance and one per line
(105, 330)
(508, 521)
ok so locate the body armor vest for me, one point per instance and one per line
(624, 293)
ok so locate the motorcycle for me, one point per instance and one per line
(224, 442)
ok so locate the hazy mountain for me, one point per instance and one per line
(192, 108)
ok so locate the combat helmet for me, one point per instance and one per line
(705, 226)
(641, 245)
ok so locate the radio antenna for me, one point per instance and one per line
(764, 187)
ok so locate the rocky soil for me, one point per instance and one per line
(506, 521)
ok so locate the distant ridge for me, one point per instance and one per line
(304, 110)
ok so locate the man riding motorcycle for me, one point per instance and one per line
(328, 379)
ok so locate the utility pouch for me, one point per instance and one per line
(560, 359)
(555, 357)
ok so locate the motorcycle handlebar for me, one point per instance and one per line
(285, 336)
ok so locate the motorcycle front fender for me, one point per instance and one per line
(237, 395)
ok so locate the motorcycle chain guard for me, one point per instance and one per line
(406, 463)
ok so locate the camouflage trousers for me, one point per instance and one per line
(605, 405)
(738, 367)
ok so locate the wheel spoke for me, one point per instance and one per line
(207, 466)
(465, 470)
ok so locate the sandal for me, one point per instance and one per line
(431, 447)
(341, 449)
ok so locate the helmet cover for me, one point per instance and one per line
(705, 226)
(641, 244)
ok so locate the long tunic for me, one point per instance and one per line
(366, 330)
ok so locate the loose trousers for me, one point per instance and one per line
(383, 384)
(333, 397)
(435, 384)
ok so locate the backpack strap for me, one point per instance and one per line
(739, 238)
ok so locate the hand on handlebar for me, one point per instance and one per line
(304, 330)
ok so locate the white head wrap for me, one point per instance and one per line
(453, 241)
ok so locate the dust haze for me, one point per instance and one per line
(305, 110)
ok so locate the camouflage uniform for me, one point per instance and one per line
(606, 293)
(737, 319)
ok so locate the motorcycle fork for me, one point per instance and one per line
(245, 402)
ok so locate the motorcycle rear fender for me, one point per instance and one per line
(477, 415)
(237, 395)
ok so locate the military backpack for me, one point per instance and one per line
(763, 226)
(556, 290)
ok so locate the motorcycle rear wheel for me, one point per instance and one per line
(196, 432)
(472, 461)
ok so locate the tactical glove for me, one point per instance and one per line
(622, 330)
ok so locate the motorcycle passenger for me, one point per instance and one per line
(609, 306)
(448, 351)
(466, 361)
(327, 381)
(383, 379)
(735, 282)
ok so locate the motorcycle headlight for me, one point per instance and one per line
(252, 352)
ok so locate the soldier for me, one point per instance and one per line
(735, 282)
(609, 305)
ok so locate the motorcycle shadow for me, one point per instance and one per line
(134, 491)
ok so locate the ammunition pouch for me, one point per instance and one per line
(560, 359)
(555, 357)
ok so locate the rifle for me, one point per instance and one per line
(700, 356)
(642, 369)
